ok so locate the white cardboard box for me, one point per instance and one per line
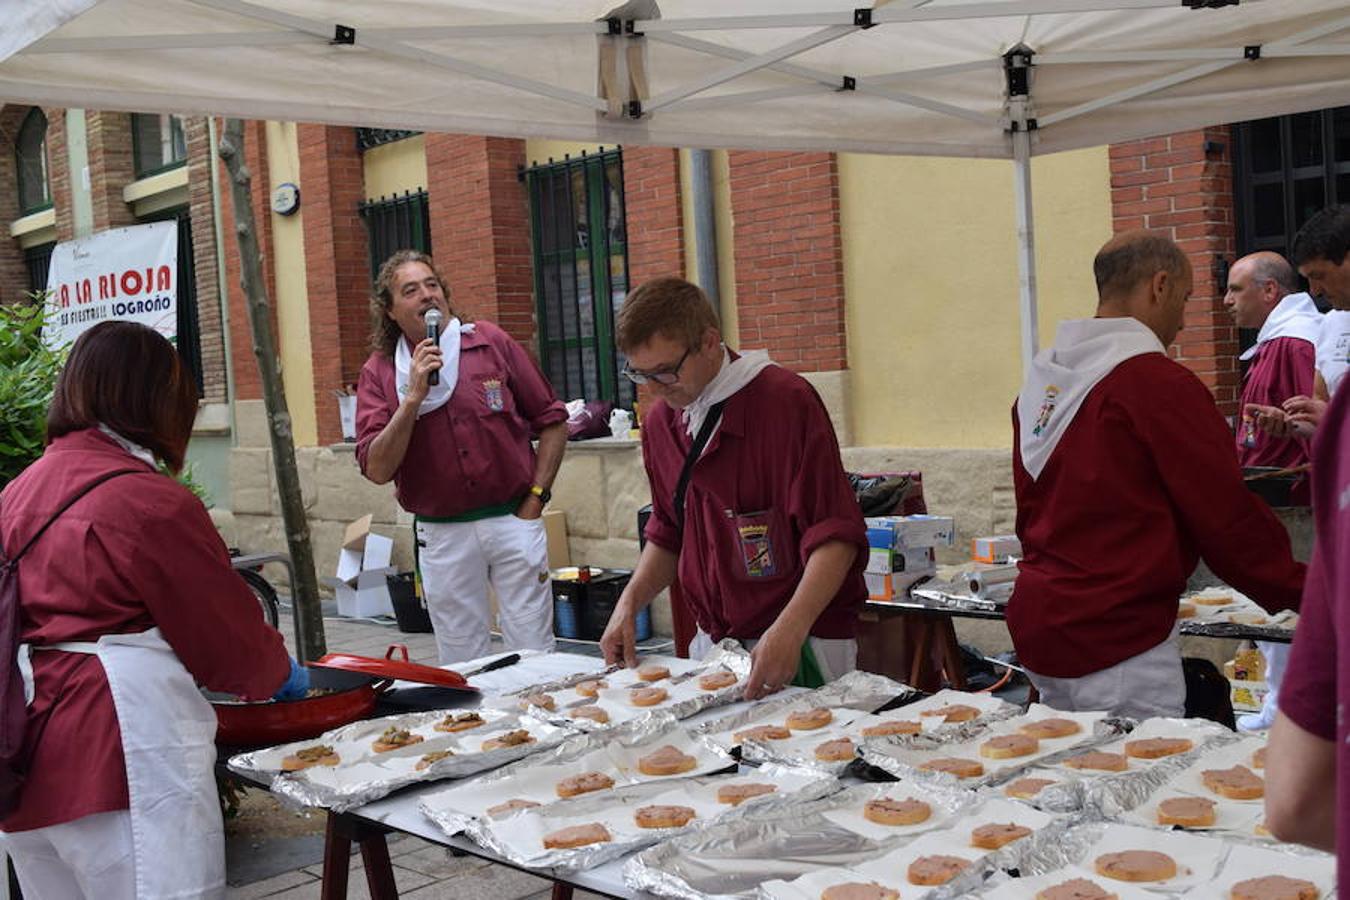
(360, 584)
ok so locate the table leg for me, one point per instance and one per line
(337, 848)
(561, 891)
(919, 664)
(952, 664)
(337, 851)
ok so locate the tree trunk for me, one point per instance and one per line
(309, 637)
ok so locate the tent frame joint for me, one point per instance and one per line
(634, 109)
(1208, 4)
(862, 18)
(343, 34)
(1017, 64)
(1251, 51)
(848, 83)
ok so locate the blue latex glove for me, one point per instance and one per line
(296, 684)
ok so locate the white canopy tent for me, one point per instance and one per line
(978, 78)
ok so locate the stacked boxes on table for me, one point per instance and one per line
(901, 552)
(1246, 673)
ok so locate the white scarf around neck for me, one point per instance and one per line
(1333, 348)
(1295, 316)
(437, 394)
(130, 446)
(1085, 351)
(734, 375)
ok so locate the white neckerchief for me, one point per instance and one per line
(1085, 351)
(130, 446)
(1295, 316)
(1333, 348)
(437, 394)
(734, 375)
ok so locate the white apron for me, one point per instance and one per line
(168, 740)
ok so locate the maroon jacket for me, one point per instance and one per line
(1316, 686)
(475, 450)
(1143, 484)
(768, 490)
(135, 553)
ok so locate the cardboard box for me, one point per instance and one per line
(915, 531)
(555, 529)
(1247, 696)
(893, 585)
(995, 549)
(882, 561)
(363, 564)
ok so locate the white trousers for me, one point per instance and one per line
(458, 561)
(87, 858)
(834, 656)
(1150, 684)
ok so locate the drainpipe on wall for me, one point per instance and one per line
(222, 279)
(705, 225)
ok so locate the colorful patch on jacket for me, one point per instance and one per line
(757, 545)
(492, 394)
(1047, 410)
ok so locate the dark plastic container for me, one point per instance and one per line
(409, 609)
(568, 599)
(602, 595)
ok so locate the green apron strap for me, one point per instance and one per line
(808, 670)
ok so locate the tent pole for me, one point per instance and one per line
(1026, 246)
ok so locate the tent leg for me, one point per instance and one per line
(1026, 246)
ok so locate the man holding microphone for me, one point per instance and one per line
(446, 410)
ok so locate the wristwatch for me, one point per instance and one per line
(543, 493)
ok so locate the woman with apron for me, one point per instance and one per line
(127, 602)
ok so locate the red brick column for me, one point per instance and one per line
(110, 167)
(653, 222)
(247, 384)
(13, 272)
(59, 174)
(200, 155)
(789, 259)
(480, 228)
(337, 278)
(1171, 184)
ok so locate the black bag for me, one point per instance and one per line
(13, 706)
(1207, 692)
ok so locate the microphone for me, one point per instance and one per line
(433, 320)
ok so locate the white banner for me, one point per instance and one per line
(125, 273)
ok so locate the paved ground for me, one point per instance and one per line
(422, 870)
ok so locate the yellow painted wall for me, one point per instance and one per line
(292, 295)
(391, 169)
(930, 274)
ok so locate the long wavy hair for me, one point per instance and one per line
(384, 331)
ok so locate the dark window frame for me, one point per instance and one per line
(401, 222)
(33, 119)
(573, 271)
(38, 261)
(138, 150)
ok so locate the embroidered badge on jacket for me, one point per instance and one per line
(492, 394)
(1047, 410)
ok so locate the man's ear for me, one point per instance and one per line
(1158, 285)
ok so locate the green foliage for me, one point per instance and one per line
(28, 370)
(188, 479)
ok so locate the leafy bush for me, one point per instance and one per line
(28, 370)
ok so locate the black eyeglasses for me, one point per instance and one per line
(665, 376)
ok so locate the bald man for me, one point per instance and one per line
(1263, 294)
(1125, 477)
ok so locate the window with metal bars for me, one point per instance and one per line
(396, 223)
(1285, 169)
(374, 137)
(580, 273)
(189, 340)
(38, 261)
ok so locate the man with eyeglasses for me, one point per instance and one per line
(751, 508)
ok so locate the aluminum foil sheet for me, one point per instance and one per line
(1276, 633)
(855, 690)
(363, 775)
(518, 838)
(457, 808)
(730, 860)
(956, 595)
(685, 696)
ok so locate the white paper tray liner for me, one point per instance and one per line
(1197, 857)
(1254, 862)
